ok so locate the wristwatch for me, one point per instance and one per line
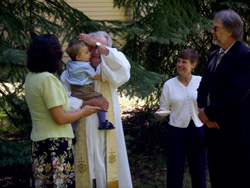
(97, 44)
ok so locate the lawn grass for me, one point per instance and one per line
(151, 172)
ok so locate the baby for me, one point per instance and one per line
(80, 75)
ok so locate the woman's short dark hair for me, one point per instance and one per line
(44, 54)
(189, 54)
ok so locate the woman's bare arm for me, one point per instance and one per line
(60, 117)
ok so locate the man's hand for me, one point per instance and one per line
(86, 38)
(212, 125)
(204, 119)
(98, 101)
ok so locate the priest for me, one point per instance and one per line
(100, 155)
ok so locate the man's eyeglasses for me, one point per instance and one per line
(216, 28)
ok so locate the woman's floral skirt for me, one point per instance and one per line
(52, 163)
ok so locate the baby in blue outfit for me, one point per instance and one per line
(80, 75)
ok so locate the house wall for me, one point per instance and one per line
(98, 9)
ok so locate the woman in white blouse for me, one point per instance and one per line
(185, 132)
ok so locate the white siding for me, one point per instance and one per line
(98, 9)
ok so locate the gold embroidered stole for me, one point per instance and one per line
(111, 141)
(82, 174)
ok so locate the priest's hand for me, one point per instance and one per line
(98, 101)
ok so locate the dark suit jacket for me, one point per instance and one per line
(228, 88)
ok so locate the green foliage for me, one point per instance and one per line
(14, 154)
(128, 140)
(148, 133)
(12, 104)
(24, 20)
(140, 87)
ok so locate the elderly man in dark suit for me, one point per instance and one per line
(224, 104)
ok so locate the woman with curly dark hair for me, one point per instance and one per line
(51, 136)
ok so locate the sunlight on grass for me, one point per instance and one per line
(127, 103)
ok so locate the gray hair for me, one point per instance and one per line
(102, 34)
(231, 21)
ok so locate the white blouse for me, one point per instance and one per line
(181, 101)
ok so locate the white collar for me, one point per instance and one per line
(221, 50)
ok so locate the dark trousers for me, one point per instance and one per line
(229, 168)
(181, 143)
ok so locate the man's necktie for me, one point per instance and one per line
(220, 55)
